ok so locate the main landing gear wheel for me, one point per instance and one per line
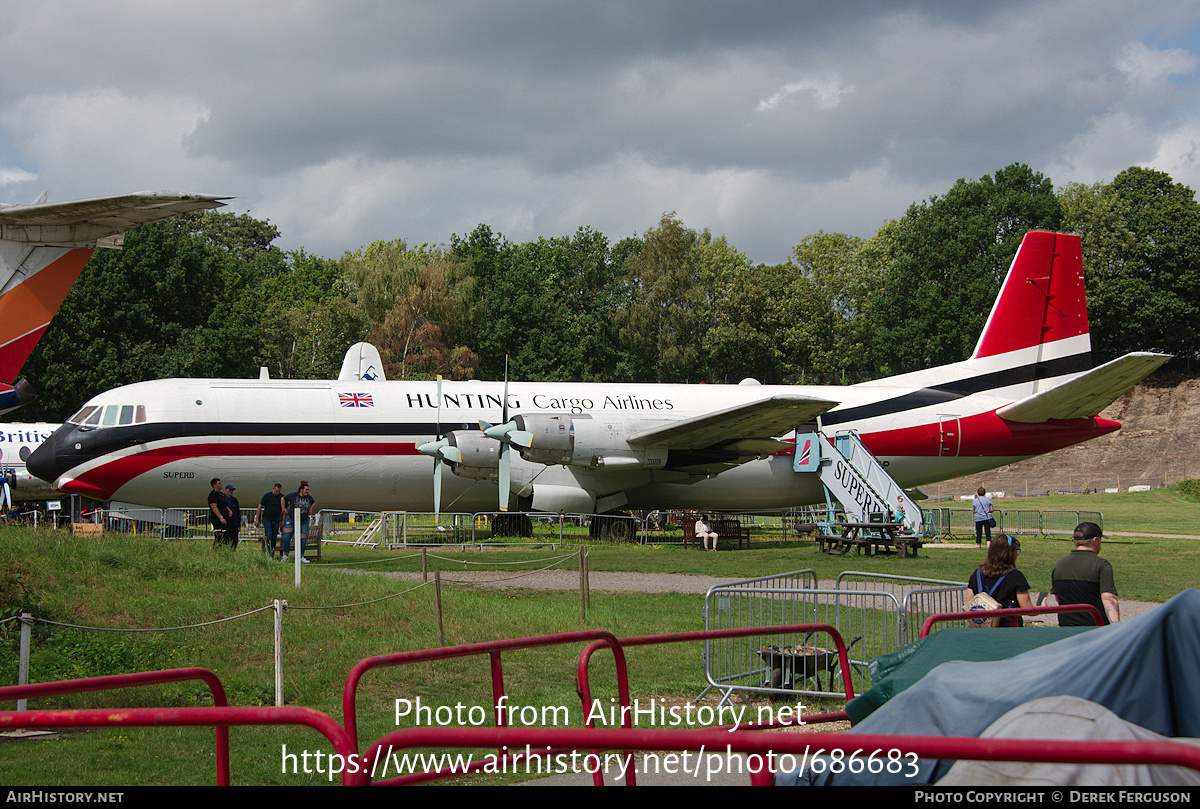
(512, 525)
(615, 529)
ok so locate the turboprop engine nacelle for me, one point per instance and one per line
(551, 438)
(579, 441)
(477, 458)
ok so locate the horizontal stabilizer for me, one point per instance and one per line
(82, 223)
(764, 419)
(1087, 394)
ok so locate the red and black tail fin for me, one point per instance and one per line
(43, 248)
(1041, 303)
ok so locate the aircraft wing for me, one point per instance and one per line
(1087, 394)
(84, 222)
(749, 428)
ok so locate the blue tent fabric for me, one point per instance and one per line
(1145, 670)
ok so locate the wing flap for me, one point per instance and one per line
(762, 420)
(1087, 394)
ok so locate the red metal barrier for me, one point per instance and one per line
(585, 690)
(491, 648)
(114, 681)
(802, 748)
(962, 616)
(198, 717)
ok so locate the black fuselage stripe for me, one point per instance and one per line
(958, 389)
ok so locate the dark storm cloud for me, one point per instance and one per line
(761, 120)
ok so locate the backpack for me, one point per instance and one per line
(983, 602)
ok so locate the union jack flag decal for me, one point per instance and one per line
(355, 400)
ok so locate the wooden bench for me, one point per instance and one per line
(726, 529)
(730, 529)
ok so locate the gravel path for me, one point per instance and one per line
(628, 582)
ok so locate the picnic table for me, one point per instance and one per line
(872, 537)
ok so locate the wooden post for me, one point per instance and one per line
(279, 607)
(437, 598)
(26, 621)
(424, 565)
(582, 585)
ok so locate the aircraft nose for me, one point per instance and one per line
(43, 461)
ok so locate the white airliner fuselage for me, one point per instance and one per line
(1029, 388)
(17, 443)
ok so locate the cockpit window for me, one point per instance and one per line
(109, 416)
(81, 416)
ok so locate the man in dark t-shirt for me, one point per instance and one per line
(270, 510)
(219, 515)
(1082, 577)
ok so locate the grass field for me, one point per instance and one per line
(138, 583)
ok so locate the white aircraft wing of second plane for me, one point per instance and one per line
(1087, 394)
(81, 223)
(749, 428)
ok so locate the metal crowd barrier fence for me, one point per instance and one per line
(918, 598)
(400, 528)
(1064, 522)
(876, 614)
(961, 521)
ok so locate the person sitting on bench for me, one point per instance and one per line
(704, 533)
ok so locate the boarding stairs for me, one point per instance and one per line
(369, 536)
(853, 476)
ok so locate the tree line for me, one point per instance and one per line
(209, 295)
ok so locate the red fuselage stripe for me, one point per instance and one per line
(986, 435)
(106, 479)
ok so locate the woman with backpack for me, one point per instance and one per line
(999, 577)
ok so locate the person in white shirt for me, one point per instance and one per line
(704, 533)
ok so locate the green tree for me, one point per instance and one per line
(666, 306)
(546, 305)
(171, 303)
(307, 318)
(1141, 248)
(944, 262)
(410, 339)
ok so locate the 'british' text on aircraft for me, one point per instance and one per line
(365, 443)
(17, 443)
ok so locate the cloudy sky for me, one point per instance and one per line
(348, 122)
